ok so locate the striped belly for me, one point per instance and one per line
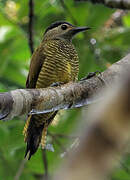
(52, 72)
(56, 68)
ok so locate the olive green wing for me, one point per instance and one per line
(36, 64)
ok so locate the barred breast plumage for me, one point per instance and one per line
(55, 60)
(60, 65)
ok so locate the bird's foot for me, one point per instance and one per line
(55, 84)
(90, 75)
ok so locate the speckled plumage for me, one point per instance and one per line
(59, 64)
(55, 60)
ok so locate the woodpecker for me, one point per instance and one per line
(55, 60)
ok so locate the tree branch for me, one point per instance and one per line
(20, 169)
(105, 138)
(121, 4)
(22, 101)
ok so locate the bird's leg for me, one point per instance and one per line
(90, 75)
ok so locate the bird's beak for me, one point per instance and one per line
(76, 30)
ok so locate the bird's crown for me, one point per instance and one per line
(56, 24)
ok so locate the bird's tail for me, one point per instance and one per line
(34, 135)
(35, 131)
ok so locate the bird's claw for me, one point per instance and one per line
(55, 84)
(90, 75)
(3, 115)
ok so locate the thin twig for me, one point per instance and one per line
(30, 25)
(4, 162)
(30, 35)
(20, 170)
(125, 167)
(45, 162)
(66, 151)
(120, 4)
(68, 11)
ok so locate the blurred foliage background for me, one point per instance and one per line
(105, 43)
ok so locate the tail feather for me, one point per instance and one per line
(35, 133)
(26, 128)
(32, 145)
(33, 141)
(33, 137)
(43, 138)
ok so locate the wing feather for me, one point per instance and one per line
(36, 64)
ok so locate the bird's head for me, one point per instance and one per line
(62, 30)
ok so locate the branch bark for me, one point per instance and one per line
(105, 138)
(121, 4)
(22, 101)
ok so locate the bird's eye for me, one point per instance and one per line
(64, 27)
